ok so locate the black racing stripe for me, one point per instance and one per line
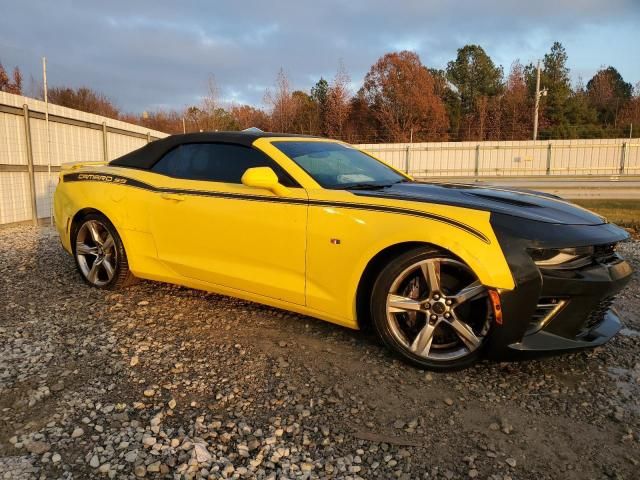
(404, 211)
(120, 180)
(130, 182)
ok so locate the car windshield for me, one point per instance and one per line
(339, 166)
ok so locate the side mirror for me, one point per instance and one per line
(264, 177)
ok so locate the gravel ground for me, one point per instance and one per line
(163, 381)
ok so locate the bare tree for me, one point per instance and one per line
(282, 103)
(211, 101)
(338, 103)
(6, 83)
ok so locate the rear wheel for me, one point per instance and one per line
(430, 308)
(99, 253)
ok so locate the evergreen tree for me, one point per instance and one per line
(608, 93)
(555, 78)
(478, 81)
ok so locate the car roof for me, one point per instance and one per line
(145, 157)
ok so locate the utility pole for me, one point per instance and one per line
(184, 126)
(538, 95)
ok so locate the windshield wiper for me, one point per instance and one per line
(367, 186)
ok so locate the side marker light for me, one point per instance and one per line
(497, 306)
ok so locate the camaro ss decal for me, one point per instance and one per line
(120, 180)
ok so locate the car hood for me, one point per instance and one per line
(527, 204)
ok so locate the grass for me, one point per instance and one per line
(625, 213)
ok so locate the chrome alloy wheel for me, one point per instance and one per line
(96, 253)
(438, 310)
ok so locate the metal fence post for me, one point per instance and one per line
(623, 157)
(32, 179)
(105, 149)
(476, 168)
(148, 137)
(549, 158)
(407, 159)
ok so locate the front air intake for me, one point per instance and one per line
(597, 315)
(546, 309)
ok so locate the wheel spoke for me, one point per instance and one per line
(431, 271)
(465, 333)
(92, 276)
(422, 343)
(108, 267)
(399, 304)
(93, 230)
(108, 243)
(470, 292)
(84, 249)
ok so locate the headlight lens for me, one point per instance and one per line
(564, 258)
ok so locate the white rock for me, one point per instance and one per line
(94, 462)
(77, 432)
(201, 453)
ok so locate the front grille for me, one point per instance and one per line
(546, 309)
(597, 314)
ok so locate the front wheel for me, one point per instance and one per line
(99, 253)
(430, 308)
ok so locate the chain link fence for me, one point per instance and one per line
(31, 153)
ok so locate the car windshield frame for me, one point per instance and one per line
(393, 176)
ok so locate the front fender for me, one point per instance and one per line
(343, 241)
(486, 260)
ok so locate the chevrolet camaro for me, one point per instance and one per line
(442, 273)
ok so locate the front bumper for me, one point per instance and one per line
(543, 341)
(584, 317)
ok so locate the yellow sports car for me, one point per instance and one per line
(442, 272)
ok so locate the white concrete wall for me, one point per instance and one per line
(67, 143)
(513, 158)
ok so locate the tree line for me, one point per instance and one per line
(401, 99)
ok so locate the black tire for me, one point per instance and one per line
(120, 276)
(388, 326)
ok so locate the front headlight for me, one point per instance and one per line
(562, 258)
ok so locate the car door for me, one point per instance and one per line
(208, 226)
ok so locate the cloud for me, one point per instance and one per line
(146, 54)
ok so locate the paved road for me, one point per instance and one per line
(605, 187)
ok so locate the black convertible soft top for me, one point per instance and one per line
(145, 157)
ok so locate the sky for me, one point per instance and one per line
(151, 54)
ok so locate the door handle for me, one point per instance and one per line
(176, 197)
